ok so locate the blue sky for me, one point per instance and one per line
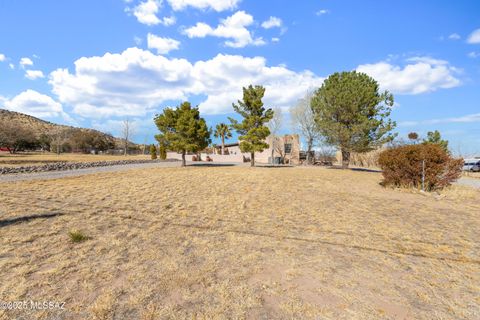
(96, 63)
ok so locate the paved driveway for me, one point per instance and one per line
(472, 182)
(80, 172)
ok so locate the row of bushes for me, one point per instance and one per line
(161, 150)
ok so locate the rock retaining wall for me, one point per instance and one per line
(61, 166)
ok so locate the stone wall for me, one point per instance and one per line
(61, 166)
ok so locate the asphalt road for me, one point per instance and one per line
(472, 182)
(80, 172)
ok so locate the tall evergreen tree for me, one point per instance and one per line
(252, 130)
(182, 130)
(352, 114)
(222, 131)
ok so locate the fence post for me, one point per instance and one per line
(423, 175)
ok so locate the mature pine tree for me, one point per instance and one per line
(252, 129)
(182, 130)
(352, 114)
(222, 131)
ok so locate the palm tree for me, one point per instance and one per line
(222, 131)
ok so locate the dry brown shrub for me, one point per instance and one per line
(402, 166)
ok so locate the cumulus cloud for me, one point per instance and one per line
(136, 82)
(474, 37)
(217, 5)
(26, 62)
(35, 104)
(419, 75)
(146, 12)
(34, 74)
(233, 27)
(162, 45)
(2, 57)
(272, 22)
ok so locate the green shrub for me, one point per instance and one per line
(153, 152)
(163, 151)
(77, 236)
(402, 166)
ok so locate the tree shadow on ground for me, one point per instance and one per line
(355, 169)
(7, 222)
(211, 165)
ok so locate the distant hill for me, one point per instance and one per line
(39, 126)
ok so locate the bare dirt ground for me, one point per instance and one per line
(239, 242)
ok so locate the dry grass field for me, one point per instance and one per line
(38, 158)
(239, 242)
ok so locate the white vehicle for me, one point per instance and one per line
(472, 165)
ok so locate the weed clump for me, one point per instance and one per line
(77, 236)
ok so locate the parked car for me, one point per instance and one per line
(472, 165)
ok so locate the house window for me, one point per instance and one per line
(288, 148)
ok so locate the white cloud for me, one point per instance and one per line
(217, 5)
(146, 12)
(162, 45)
(420, 75)
(137, 81)
(26, 62)
(275, 39)
(2, 57)
(35, 104)
(454, 36)
(474, 37)
(473, 54)
(168, 21)
(233, 27)
(34, 74)
(321, 12)
(272, 22)
(11, 66)
(469, 118)
(140, 128)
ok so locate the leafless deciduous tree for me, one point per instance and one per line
(59, 136)
(127, 132)
(275, 125)
(303, 121)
